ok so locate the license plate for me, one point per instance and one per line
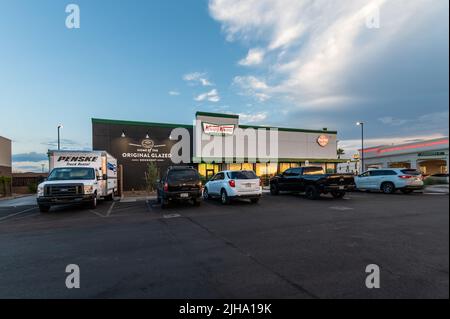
(184, 195)
(341, 187)
(248, 185)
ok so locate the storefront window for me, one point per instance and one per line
(208, 170)
(266, 170)
(247, 166)
(284, 166)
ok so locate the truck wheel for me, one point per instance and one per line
(338, 195)
(274, 189)
(109, 197)
(93, 203)
(224, 198)
(44, 208)
(312, 192)
(254, 200)
(388, 188)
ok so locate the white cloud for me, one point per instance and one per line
(30, 166)
(254, 57)
(211, 96)
(353, 145)
(253, 117)
(174, 93)
(310, 47)
(197, 78)
(252, 86)
(389, 120)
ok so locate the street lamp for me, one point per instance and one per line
(362, 145)
(60, 126)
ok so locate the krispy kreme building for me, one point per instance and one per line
(212, 143)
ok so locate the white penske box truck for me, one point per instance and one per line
(78, 177)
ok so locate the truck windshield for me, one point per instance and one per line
(71, 173)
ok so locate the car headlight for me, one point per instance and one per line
(40, 190)
(88, 189)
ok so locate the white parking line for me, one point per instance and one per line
(98, 214)
(341, 208)
(15, 214)
(110, 209)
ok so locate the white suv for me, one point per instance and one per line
(233, 184)
(390, 180)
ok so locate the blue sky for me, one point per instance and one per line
(287, 63)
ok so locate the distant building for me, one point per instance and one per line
(429, 156)
(350, 167)
(5, 157)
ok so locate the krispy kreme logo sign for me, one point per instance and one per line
(323, 140)
(218, 129)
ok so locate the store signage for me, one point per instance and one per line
(147, 150)
(323, 140)
(218, 129)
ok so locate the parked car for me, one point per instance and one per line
(312, 181)
(180, 183)
(390, 180)
(229, 185)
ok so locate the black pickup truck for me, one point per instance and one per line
(312, 181)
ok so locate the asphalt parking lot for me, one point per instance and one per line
(283, 247)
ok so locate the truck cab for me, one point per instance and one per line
(76, 178)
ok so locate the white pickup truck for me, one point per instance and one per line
(78, 177)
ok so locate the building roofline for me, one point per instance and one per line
(172, 125)
(124, 122)
(224, 115)
(289, 129)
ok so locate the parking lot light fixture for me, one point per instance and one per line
(361, 160)
(60, 126)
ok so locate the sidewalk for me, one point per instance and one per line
(436, 189)
(15, 196)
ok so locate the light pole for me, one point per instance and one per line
(59, 139)
(362, 146)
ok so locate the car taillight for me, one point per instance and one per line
(166, 187)
(406, 176)
(232, 183)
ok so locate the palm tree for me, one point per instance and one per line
(340, 152)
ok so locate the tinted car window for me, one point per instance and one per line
(183, 175)
(382, 173)
(410, 172)
(313, 171)
(242, 175)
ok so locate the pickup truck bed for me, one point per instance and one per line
(312, 181)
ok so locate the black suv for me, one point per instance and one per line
(180, 183)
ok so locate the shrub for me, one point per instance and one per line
(151, 175)
(32, 187)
